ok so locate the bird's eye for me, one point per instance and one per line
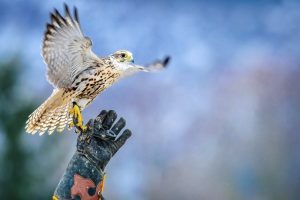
(123, 55)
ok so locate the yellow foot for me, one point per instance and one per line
(77, 118)
(55, 198)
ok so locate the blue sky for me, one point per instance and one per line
(231, 86)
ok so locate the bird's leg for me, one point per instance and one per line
(77, 118)
(55, 198)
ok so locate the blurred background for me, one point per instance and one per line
(221, 123)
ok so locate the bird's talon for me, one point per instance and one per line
(83, 128)
(77, 118)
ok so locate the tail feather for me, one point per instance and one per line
(52, 114)
(64, 119)
(55, 120)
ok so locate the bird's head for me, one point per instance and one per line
(123, 56)
(125, 63)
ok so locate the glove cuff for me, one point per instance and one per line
(82, 178)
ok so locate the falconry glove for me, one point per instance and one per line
(84, 176)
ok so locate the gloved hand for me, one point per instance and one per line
(84, 176)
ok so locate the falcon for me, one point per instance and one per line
(77, 74)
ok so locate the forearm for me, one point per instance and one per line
(85, 173)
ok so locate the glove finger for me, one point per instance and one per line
(109, 119)
(90, 122)
(116, 129)
(117, 144)
(98, 122)
(100, 118)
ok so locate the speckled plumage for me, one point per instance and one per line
(77, 74)
(83, 90)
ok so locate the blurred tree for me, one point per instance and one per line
(15, 176)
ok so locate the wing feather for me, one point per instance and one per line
(65, 49)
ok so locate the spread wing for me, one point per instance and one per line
(65, 49)
(156, 66)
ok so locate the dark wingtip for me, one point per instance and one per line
(65, 5)
(58, 15)
(166, 61)
(67, 11)
(56, 12)
(76, 14)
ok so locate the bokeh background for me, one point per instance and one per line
(221, 123)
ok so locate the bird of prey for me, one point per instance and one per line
(77, 74)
